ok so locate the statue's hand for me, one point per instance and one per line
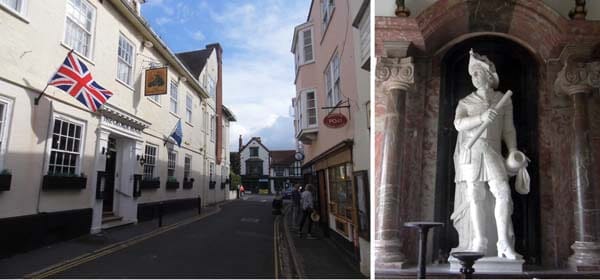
(488, 115)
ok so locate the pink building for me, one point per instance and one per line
(331, 51)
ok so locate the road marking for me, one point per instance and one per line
(68, 264)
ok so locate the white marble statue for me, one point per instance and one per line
(483, 204)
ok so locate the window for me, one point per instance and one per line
(187, 166)
(79, 26)
(311, 108)
(332, 81)
(150, 163)
(296, 168)
(212, 128)
(253, 151)
(279, 171)
(340, 191)
(16, 5)
(171, 163)
(188, 108)
(125, 61)
(4, 115)
(254, 167)
(174, 98)
(365, 37)
(156, 98)
(304, 47)
(327, 7)
(65, 152)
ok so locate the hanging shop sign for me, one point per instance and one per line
(335, 120)
(156, 81)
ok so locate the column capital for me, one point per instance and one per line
(395, 73)
(577, 76)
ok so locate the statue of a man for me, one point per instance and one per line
(481, 166)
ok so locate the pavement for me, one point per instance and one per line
(317, 257)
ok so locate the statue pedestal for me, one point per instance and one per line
(490, 264)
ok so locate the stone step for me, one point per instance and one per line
(108, 219)
(115, 223)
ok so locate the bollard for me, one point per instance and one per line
(199, 205)
(160, 214)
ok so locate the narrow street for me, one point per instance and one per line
(236, 242)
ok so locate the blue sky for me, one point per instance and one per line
(258, 67)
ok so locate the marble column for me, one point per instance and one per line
(577, 80)
(395, 75)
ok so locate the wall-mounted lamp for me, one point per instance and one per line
(105, 152)
(141, 160)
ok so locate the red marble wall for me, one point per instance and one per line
(544, 33)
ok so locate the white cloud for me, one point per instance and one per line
(162, 20)
(198, 36)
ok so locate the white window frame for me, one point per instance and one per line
(173, 97)
(189, 104)
(301, 45)
(89, 32)
(250, 149)
(187, 168)
(5, 125)
(327, 8)
(211, 169)
(171, 163)
(154, 164)
(307, 108)
(122, 62)
(365, 36)
(212, 87)
(332, 77)
(68, 119)
(205, 120)
(20, 8)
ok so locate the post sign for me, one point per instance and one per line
(156, 81)
(335, 120)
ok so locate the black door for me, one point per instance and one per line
(518, 72)
(109, 183)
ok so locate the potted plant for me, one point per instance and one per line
(150, 183)
(64, 181)
(212, 184)
(188, 183)
(172, 183)
(5, 179)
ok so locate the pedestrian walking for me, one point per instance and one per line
(307, 209)
(296, 204)
(242, 190)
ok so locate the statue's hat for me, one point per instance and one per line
(481, 61)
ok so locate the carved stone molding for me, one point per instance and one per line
(577, 77)
(395, 73)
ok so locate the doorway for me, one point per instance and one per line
(109, 181)
(518, 72)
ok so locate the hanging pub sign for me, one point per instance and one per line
(156, 81)
(335, 120)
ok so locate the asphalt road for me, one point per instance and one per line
(234, 243)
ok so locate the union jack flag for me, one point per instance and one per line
(74, 78)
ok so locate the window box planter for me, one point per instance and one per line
(172, 185)
(188, 184)
(54, 182)
(5, 182)
(150, 184)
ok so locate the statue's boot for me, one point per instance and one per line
(479, 245)
(476, 196)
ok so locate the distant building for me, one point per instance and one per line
(254, 165)
(284, 170)
(331, 52)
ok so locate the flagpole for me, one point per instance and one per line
(36, 101)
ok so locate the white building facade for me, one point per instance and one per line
(78, 171)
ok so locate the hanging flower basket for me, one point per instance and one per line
(188, 183)
(150, 183)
